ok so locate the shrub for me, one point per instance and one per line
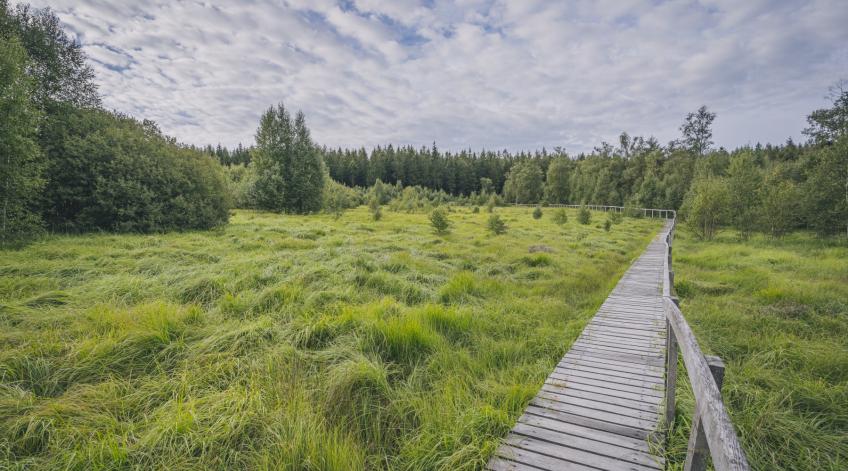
(496, 225)
(616, 218)
(490, 205)
(607, 225)
(374, 206)
(584, 216)
(476, 210)
(537, 213)
(107, 171)
(560, 216)
(440, 222)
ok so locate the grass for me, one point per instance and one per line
(776, 311)
(285, 342)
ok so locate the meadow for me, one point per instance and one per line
(310, 342)
(776, 311)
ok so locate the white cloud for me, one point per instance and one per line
(472, 73)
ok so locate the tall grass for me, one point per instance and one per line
(283, 342)
(776, 311)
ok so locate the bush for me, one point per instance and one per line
(476, 210)
(490, 205)
(496, 225)
(560, 216)
(584, 216)
(537, 213)
(607, 225)
(374, 206)
(616, 218)
(439, 220)
(107, 171)
(338, 197)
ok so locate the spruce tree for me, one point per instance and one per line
(289, 171)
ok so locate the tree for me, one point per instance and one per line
(556, 184)
(440, 222)
(744, 182)
(374, 207)
(537, 213)
(697, 131)
(289, 171)
(21, 161)
(778, 213)
(584, 216)
(705, 207)
(524, 184)
(829, 124)
(496, 225)
(826, 188)
(58, 65)
(560, 216)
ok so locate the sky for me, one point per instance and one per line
(515, 75)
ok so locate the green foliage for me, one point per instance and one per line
(828, 125)
(780, 204)
(607, 225)
(524, 183)
(537, 213)
(826, 189)
(113, 173)
(705, 208)
(744, 181)
(338, 197)
(615, 217)
(374, 206)
(584, 216)
(475, 210)
(560, 216)
(697, 131)
(439, 221)
(58, 70)
(289, 172)
(556, 181)
(496, 225)
(491, 203)
(21, 161)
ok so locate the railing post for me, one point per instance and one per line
(670, 375)
(698, 450)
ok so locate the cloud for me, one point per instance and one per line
(470, 73)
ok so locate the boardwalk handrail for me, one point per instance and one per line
(712, 431)
(711, 425)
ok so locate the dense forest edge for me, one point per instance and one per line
(70, 166)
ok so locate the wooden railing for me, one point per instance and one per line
(712, 433)
(646, 212)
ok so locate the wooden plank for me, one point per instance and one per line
(618, 429)
(568, 453)
(620, 441)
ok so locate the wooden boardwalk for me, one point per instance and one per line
(601, 405)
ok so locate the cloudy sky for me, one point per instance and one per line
(496, 74)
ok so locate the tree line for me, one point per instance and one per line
(66, 164)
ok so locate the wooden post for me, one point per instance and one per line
(698, 450)
(670, 375)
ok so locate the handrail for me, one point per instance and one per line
(712, 431)
(647, 212)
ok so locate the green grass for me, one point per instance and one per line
(283, 342)
(776, 311)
